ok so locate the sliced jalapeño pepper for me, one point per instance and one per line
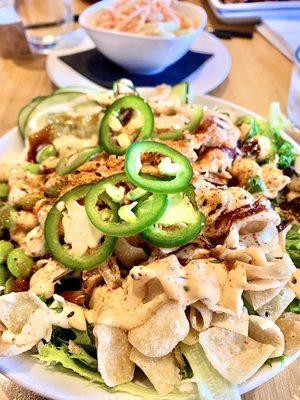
(133, 216)
(181, 222)
(59, 251)
(174, 169)
(116, 133)
(190, 127)
(68, 164)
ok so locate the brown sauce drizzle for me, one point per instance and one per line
(77, 296)
(227, 219)
(44, 136)
(205, 125)
(251, 148)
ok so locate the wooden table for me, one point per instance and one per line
(259, 75)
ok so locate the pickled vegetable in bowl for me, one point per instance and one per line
(145, 17)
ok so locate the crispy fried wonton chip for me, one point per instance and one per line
(236, 357)
(26, 320)
(223, 253)
(113, 353)
(116, 308)
(200, 316)
(277, 305)
(294, 283)
(258, 256)
(280, 269)
(161, 333)
(265, 331)
(289, 323)
(192, 337)
(129, 255)
(259, 298)
(71, 316)
(232, 323)
(257, 285)
(258, 229)
(204, 279)
(231, 298)
(162, 372)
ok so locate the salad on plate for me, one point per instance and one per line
(148, 244)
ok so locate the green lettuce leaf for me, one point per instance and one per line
(286, 153)
(78, 353)
(294, 307)
(293, 244)
(254, 128)
(211, 385)
(51, 355)
(82, 338)
(249, 307)
(256, 185)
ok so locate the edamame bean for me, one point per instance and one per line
(4, 190)
(3, 275)
(19, 264)
(33, 168)
(9, 285)
(45, 153)
(28, 202)
(6, 216)
(5, 249)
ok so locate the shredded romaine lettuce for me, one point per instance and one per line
(211, 385)
(249, 307)
(293, 244)
(186, 372)
(270, 361)
(150, 394)
(277, 120)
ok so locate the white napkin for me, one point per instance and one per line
(283, 34)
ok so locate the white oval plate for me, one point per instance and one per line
(56, 384)
(210, 75)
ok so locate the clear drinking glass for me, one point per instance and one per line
(45, 22)
(294, 94)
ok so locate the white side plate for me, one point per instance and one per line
(209, 76)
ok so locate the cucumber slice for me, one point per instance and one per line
(103, 97)
(196, 119)
(25, 112)
(61, 110)
(191, 127)
(182, 91)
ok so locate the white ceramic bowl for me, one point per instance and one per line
(142, 54)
